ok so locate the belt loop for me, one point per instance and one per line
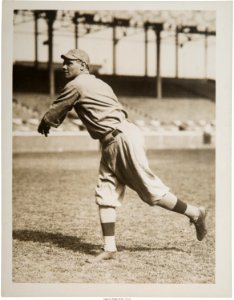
(109, 136)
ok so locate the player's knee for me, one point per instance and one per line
(152, 201)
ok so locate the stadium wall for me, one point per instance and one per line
(32, 142)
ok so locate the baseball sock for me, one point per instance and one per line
(107, 219)
(171, 202)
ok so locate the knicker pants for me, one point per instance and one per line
(124, 162)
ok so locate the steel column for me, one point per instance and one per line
(51, 15)
(76, 23)
(114, 49)
(176, 53)
(158, 71)
(205, 58)
(36, 14)
(146, 53)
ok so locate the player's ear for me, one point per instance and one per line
(82, 66)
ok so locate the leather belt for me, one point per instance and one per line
(115, 132)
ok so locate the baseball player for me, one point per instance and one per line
(123, 159)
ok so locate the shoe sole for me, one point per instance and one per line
(204, 213)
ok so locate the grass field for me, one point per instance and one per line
(56, 225)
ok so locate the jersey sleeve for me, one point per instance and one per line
(60, 107)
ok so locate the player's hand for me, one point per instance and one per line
(43, 128)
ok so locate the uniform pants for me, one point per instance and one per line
(124, 163)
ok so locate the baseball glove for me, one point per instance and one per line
(43, 128)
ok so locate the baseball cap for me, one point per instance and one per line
(75, 54)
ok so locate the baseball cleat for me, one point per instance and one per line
(105, 255)
(200, 224)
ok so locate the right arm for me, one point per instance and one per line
(59, 109)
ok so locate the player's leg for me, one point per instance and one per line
(171, 202)
(196, 214)
(109, 192)
(135, 172)
(107, 220)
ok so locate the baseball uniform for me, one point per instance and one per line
(123, 160)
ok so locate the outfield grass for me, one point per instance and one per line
(56, 225)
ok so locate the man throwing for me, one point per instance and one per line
(123, 161)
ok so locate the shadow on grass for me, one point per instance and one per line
(140, 248)
(76, 244)
(63, 241)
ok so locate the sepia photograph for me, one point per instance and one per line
(114, 149)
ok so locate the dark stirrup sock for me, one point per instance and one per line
(107, 219)
(186, 209)
(180, 207)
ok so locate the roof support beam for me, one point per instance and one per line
(114, 41)
(157, 28)
(76, 24)
(146, 50)
(176, 53)
(206, 55)
(36, 16)
(50, 17)
(158, 71)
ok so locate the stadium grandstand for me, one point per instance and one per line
(161, 65)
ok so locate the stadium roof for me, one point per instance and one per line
(203, 20)
(179, 21)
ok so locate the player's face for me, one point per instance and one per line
(72, 68)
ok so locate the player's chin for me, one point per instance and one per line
(66, 75)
